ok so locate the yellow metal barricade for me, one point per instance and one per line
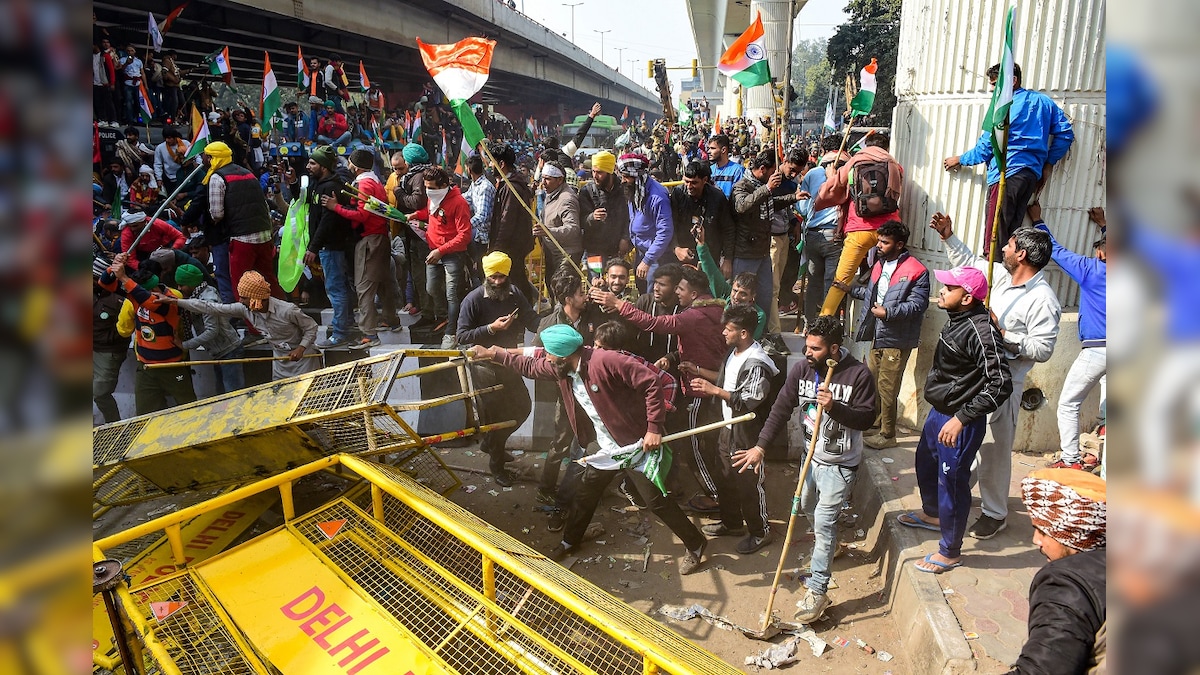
(407, 582)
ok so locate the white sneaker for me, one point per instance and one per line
(811, 607)
(449, 342)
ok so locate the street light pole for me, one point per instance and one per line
(572, 5)
(602, 32)
(620, 53)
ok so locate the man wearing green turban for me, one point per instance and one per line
(601, 388)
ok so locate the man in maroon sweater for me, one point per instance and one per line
(699, 328)
(597, 387)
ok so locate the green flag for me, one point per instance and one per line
(995, 121)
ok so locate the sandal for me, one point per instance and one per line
(1090, 461)
(942, 567)
(915, 521)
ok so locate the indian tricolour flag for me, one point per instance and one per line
(144, 101)
(746, 59)
(460, 71)
(200, 135)
(363, 80)
(303, 77)
(464, 151)
(531, 129)
(271, 100)
(865, 98)
(415, 136)
(219, 64)
(996, 119)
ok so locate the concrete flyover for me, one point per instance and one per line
(533, 67)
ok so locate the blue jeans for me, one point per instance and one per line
(341, 294)
(132, 107)
(444, 279)
(944, 478)
(765, 297)
(341, 140)
(823, 254)
(220, 256)
(826, 488)
(230, 376)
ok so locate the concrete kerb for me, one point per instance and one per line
(933, 639)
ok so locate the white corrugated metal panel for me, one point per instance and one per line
(945, 49)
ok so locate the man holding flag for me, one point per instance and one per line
(1024, 134)
(597, 386)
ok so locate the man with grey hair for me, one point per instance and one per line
(1027, 311)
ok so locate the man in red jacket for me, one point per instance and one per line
(448, 232)
(332, 128)
(372, 253)
(161, 235)
(699, 326)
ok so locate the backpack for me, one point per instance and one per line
(869, 188)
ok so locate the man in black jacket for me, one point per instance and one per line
(512, 226)
(755, 200)
(330, 235)
(1067, 599)
(604, 210)
(698, 204)
(969, 379)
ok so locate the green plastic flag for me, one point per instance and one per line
(294, 241)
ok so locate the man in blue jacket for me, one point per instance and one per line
(894, 304)
(1090, 366)
(1039, 134)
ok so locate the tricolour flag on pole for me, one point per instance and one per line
(865, 98)
(144, 101)
(271, 97)
(996, 119)
(303, 77)
(625, 114)
(464, 151)
(830, 119)
(746, 59)
(156, 38)
(219, 64)
(460, 71)
(445, 153)
(531, 129)
(200, 135)
(415, 136)
(717, 123)
(363, 81)
(166, 24)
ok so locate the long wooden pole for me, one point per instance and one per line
(226, 362)
(133, 246)
(582, 461)
(995, 233)
(787, 540)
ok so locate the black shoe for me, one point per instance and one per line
(632, 496)
(559, 552)
(986, 527)
(719, 530)
(503, 478)
(558, 519)
(751, 544)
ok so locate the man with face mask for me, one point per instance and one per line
(497, 315)
(603, 210)
(650, 226)
(615, 406)
(448, 234)
(848, 400)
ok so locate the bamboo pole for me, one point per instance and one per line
(226, 362)
(995, 233)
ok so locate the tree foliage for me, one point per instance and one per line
(810, 76)
(872, 31)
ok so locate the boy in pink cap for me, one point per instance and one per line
(968, 380)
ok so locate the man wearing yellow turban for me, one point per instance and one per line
(604, 211)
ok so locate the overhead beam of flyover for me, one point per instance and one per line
(536, 63)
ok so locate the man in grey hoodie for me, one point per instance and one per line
(742, 385)
(848, 400)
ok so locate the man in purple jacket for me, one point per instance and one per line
(597, 387)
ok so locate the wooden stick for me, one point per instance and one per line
(582, 461)
(225, 362)
(133, 246)
(995, 234)
(787, 540)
